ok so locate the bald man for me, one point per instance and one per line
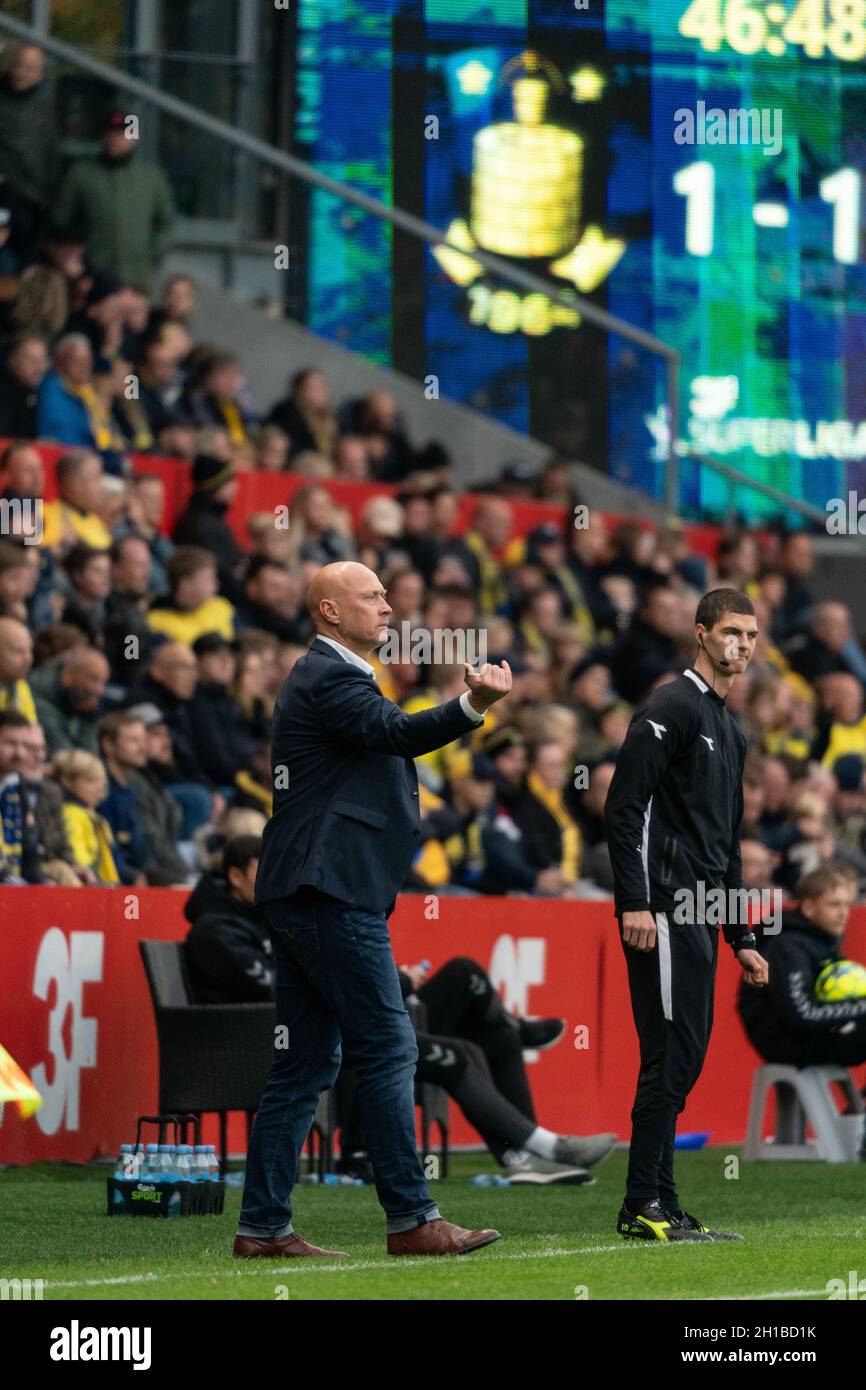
(335, 853)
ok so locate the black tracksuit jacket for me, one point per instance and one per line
(675, 803)
(783, 1021)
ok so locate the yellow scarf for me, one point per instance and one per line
(551, 800)
(102, 427)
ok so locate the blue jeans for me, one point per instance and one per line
(338, 994)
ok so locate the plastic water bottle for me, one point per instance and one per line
(166, 1163)
(150, 1170)
(213, 1163)
(184, 1169)
(200, 1166)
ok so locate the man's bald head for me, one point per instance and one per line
(346, 601)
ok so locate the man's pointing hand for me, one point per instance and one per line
(487, 685)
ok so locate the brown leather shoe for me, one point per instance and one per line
(439, 1238)
(287, 1247)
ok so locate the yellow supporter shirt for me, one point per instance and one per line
(58, 518)
(217, 615)
(19, 696)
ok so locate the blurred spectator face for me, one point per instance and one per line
(511, 764)
(590, 542)
(753, 801)
(16, 651)
(475, 794)
(595, 796)
(109, 310)
(417, 516)
(797, 558)
(381, 411)
(129, 745)
(74, 363)
(131, 573)
(93, 580)
(550, 764)
(406, 596)
(383, 518)
(445, 511)
(175, 667)
(112, 502)
(33, 739)
(198, 588)
(777, 787)
(276, 588)
(761, 709)
(843, 697)
(27, 69)
(553, 482)
(318, 511)
(178, 298)
(312, 393)
(29, 361)
(351, 459)
(252, 675)
(158, 745)
(829, 910)
(284, 661)
(159, 364)
(151, 499)
(546, 612)
(117, 144)
(136, 309)
(16, 584)
(273, 451)
(462, 611)
(493, 521)
(613, 726)
(772, 588)
(832, 625)
(13, 752)
(68, 257)
(757, 864)
(217, 668)
(621, 592)
(592, 689)
(744, 561)
(244, 457)
(84, 677)
(224, 380)
(663, 612)
(526, 579)
(24, 475)
(178, 441)
(89, 787)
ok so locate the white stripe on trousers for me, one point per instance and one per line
(664, 942)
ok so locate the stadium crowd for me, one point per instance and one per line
(138, 669)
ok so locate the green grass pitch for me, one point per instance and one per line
(803, 1224)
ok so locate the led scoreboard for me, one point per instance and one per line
(696, 168)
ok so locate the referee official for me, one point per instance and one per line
(673, 817)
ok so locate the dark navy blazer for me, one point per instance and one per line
(346, 815)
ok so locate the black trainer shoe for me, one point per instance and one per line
(652, 1222)
(683, 1222)
(540, 1033)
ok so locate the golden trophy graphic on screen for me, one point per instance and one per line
(526, 202)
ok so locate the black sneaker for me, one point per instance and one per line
(681, 1221)
(540, 1033)
(652, 1222)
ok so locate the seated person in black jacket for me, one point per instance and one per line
(228, 949)
(785, 1022)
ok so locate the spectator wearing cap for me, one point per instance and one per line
(44, 291)
(222, 744)
(215, 394)
(89, 574)
(306, 415)
(123, 205)
(192, 606)
(22, 370)
(68, 694)
(123, 749)
(490, 528)
(72, 516)
(203, 522)
(160, 814)
(69, 409)
(28, 137)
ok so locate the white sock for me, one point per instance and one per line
(542, 1142)
(512, 1157)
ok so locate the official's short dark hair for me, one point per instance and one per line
(239, 852)
(714, 605)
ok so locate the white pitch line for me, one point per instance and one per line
(763, 1297)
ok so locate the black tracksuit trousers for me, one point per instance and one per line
(671, 990)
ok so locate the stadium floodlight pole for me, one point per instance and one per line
(406, 221)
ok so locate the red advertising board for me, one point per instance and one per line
(75, 1011)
